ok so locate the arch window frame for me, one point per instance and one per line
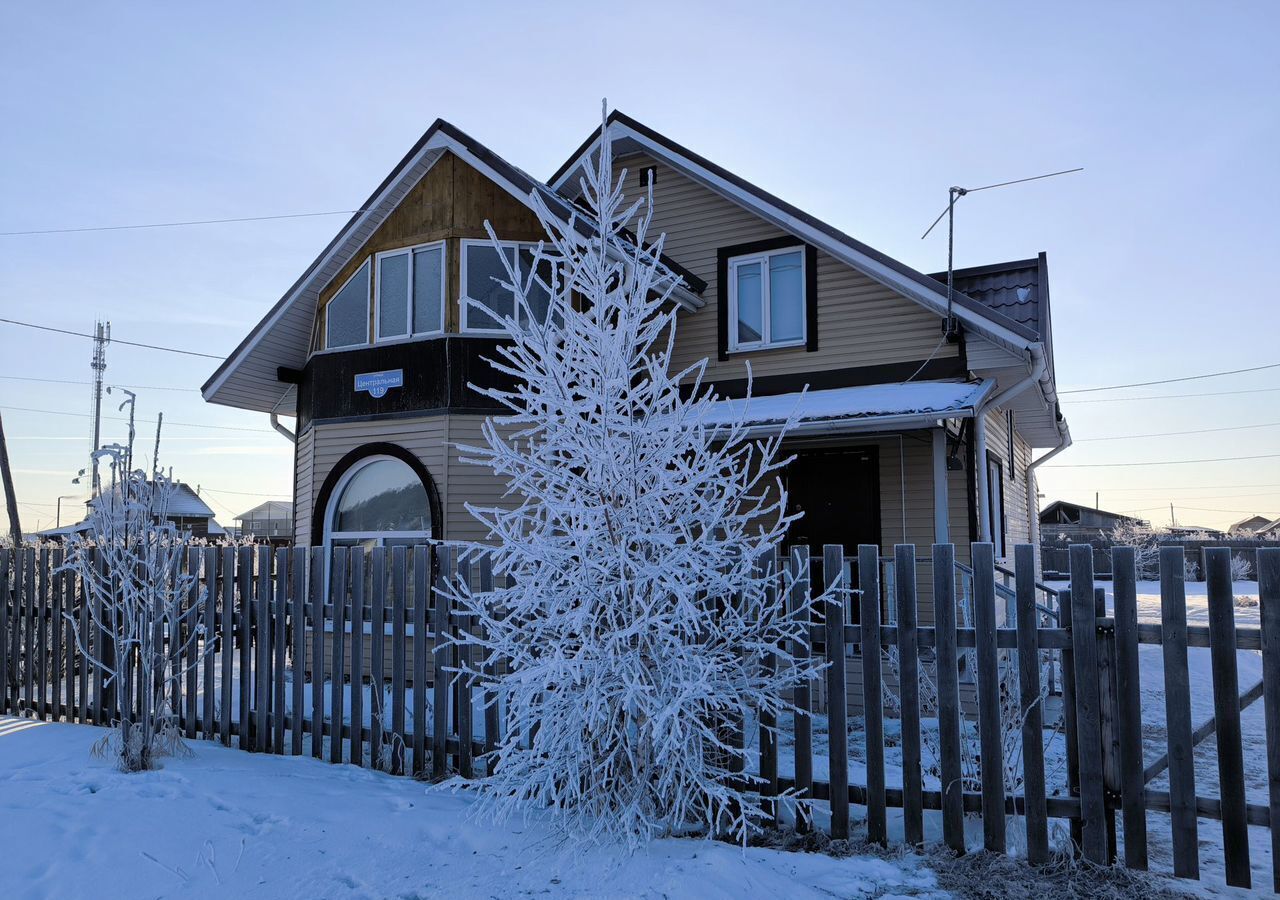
(354, 538)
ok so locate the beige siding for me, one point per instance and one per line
(860, 322)
(1017, 519)
(303, 496)
(468, 483)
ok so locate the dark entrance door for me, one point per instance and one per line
(839, 493)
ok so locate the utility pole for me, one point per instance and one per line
(10, 499)
(101, 337)
(58, 520)
(1173, 520)
(155, 457)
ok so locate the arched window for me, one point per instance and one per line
(380, 501)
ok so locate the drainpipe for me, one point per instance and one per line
(289, 435)
(1031, 488)
(1037, 369)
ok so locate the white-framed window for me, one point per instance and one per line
(346, 318)
(410, 291)
(995, 503)
(485, 302)
(766, 299)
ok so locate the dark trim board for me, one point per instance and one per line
(376, 448)
(857, 376)
(724, 254)
(408, 414)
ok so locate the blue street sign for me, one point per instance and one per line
(378, 383)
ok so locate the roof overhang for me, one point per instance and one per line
(248, 378)
(854, 410)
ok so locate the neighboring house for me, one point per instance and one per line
(1270, 531)
(271, 521)
(1250, 526)
(920, 420)
(1063, 523)
(186, 510)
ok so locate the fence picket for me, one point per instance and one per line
(440, 700)
(192, 643)
(767, 566)
(422, 558)
(399, 584)
(244, 609)
(29, 607)
(1129, 706)
(227, 642)
(462, 658)
(279, 644)
(57, 589)
(984, 608)
(872, 701)
(798, 600)
(69, 609)
(316, 585)
(104, 694)
(337, 643)
(83, 639)
(1033, 796)
(909, 692)
(1084, 637)
(6, 560)
(377, 624)
(1226, 703)
(837, 707)
(358, 577)
(298, 650)
(40, 661)
(948, 688)
(1269, 608)
(208, 631)
(261, 737)
(492, 720)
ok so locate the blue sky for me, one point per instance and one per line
(1161, 253)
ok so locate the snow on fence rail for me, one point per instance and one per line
(343, 664)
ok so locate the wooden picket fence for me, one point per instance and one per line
(340, 659)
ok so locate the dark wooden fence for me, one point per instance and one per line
(342, 660)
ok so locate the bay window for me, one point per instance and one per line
(485, 301)
(411, 291)
(347, 315)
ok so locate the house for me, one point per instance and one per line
(923, 409)
(1248, 527)
(185, 509)
(271, 521)
(1079, 523)
(1270, 531)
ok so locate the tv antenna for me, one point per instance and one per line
(953, 194)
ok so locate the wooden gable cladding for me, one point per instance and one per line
(452, 201)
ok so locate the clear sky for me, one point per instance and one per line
(1162, 253)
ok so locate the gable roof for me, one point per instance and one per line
(1047, 512)
(627, 133)
(247, 378)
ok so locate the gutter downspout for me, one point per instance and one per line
(1031, 490)
(1037, 369)
(289, 435)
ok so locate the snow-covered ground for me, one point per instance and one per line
(225, 823)
(1252, 725)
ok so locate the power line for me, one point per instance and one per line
(247, 493)
(1125, 437)
(312, 215)
(1165, 462)
(1178, 396)
(138, 387)
(59, 412)
(113, 340)
(1116, 387)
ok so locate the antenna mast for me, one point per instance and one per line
(101, 337)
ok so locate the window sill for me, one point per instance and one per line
(765, 348)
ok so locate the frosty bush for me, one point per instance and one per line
(129, 562)
(1241, 568)
(1145, 543)
(635, 619)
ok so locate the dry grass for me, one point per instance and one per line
(987, 876)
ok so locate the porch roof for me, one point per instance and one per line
(875, 407)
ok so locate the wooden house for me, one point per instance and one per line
(924, 408)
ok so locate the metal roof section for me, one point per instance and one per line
(247, 379)
(866, 408)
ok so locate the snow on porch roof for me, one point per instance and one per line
(864, 408)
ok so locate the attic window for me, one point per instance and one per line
(767, 296)
(411, 291)
(347, 315)
(485, 301)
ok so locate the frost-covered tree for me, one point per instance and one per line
(634, 619)
(129, 561)
(1145, 542)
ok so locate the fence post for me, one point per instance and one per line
(944, 613)
(1177, 701)
(872, 698)
(837, 708)
(1124, 574)
(989, 734)
(798, 599)
(1226, 703)
(909, 692)
(1084, 640)
(1033, 797)
(1269, 603)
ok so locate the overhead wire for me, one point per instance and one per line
(311, 215)
(114, 340)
